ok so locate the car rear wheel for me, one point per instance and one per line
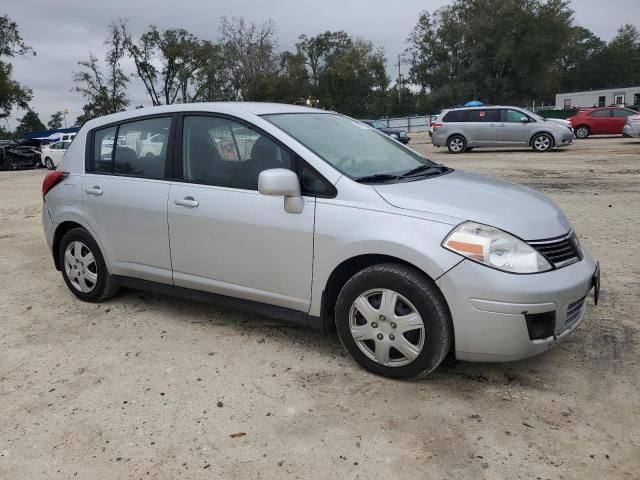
(49, 164)
(394, 321)
(457, 144)
(542, 142)
(83, 267)
(582, 132)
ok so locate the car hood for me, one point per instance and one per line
(560, 121)
(467, 196)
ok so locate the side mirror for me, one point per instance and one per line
(524, 119)
(282, 182)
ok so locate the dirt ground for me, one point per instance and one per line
(144, 386)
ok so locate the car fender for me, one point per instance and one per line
(344, 232)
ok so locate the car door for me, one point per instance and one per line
(57, 152)
(124, 199)
(480, 127)
(619, 118)
(600, 121)
(512, 130)
(226, 238)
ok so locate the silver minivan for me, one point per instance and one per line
(316, 218)
(463, 129)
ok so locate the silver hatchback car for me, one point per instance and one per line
(316, 218)
(462, 129)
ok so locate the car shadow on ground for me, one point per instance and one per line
(212, 315)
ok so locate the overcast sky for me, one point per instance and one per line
(62, 32)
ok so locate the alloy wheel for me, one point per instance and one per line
(386, 327)
(542, 143)
(456, 144)
(80, 266)
(582, 132)
(49, 164)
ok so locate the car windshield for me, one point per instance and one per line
(537, 117)
(353, 148)
(378, 124)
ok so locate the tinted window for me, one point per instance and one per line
(623, 113)
(141, 149)
(483, 116)
(455, 116)
(601, 113)
(512, 116)
(219, 151)
(103, 141)
(314, 184)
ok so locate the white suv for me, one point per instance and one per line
(318, 219)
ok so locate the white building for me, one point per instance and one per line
(599, 98)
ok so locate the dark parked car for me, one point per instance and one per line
(397, 133)
(18, 155)
(600, 121)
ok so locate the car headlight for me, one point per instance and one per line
(403, 134)
(494, 248)
(393, 135)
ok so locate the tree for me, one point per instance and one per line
(105, 94)
(56, 120)
(30, 122)
(12, 94)
(500, 51)
(167, 63)
(575, 66)
(250, 56)
(319, 51)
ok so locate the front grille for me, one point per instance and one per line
(573, 312)
(560, 251)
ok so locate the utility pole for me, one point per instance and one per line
(399, 80)
(64, 113)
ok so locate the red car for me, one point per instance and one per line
(600, 121)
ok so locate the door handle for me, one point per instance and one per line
(95, 190)
(492, 125)
(188, 202)
(501, 125)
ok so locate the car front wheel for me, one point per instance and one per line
(542, 142)
(394, 321)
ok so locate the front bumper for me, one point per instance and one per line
(564, 139)
(488, 308)
(629, 131)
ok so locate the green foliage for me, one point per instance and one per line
(105, 93)
(12, 94)
(500, 51)
(30, 122)
(56, 120)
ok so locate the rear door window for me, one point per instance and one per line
(601, 113)
(455, 116)
(141, 150)
(484, 116)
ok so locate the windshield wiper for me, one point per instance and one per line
(424, 170)
(378, 177)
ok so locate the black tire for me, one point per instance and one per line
(542, 142)
(428, 301)
(105, 287)
(582, 131)
(49, 164)
(456, 144)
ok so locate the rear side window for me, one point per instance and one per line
(483, 116)
(136, 149)
(623, 113)
(455, 116)
(601, 113)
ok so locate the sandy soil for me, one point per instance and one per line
(152, 387)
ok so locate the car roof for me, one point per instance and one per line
(239, 108)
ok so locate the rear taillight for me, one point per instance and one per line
(436, 125)
(51, 180)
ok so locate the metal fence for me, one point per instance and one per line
(410, 124)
